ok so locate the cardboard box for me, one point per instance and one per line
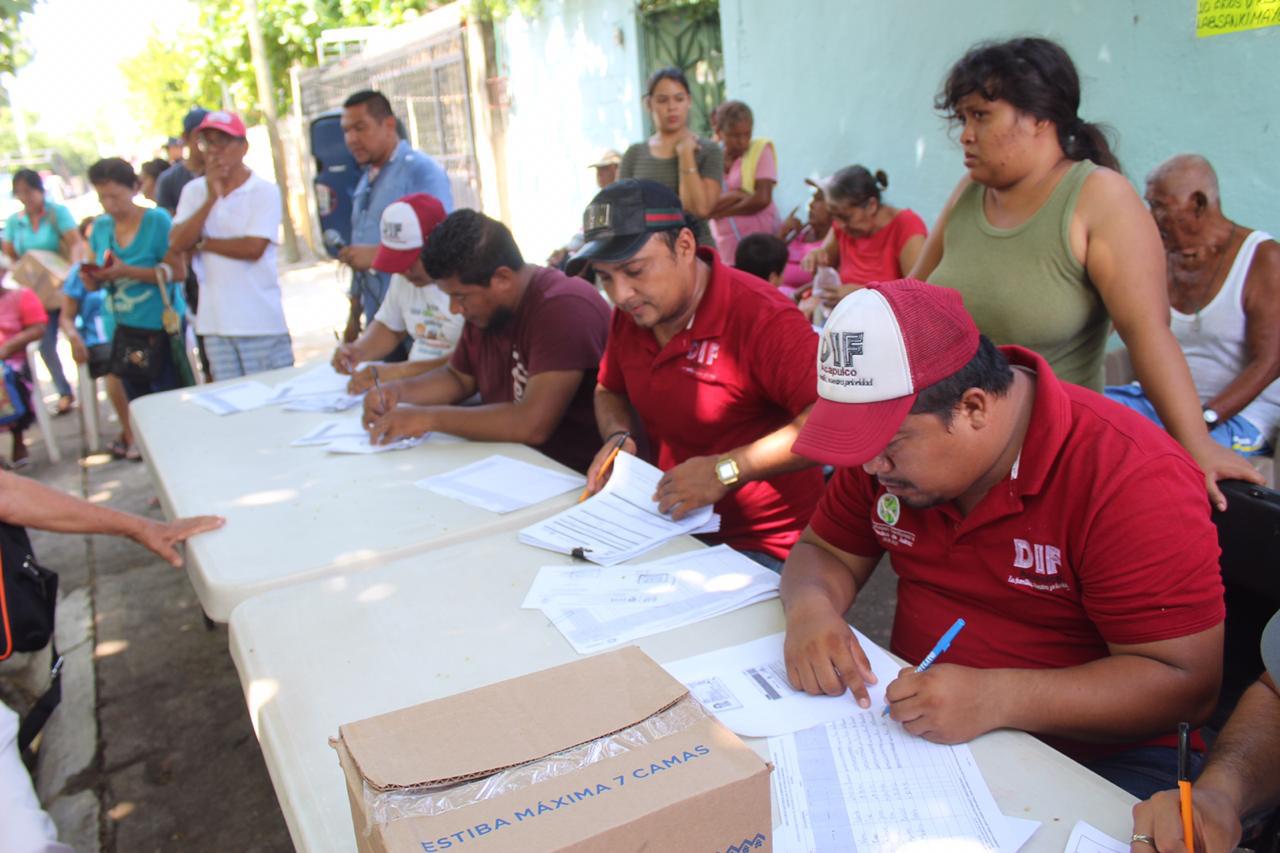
(681, 782)
(43, 272)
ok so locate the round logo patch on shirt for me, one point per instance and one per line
(888, 509)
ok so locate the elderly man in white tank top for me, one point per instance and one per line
(1224, 289)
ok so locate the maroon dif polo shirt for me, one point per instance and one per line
(746, 366)
(1101, 534)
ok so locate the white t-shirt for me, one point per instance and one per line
(237, 297)
(424, 313)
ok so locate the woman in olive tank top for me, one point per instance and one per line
(1049, 243)
(676, 157)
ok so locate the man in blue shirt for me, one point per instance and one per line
(392, 170)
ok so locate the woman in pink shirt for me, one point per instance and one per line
(750, 172)
(802, 238)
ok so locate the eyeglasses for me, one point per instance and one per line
(207, 143)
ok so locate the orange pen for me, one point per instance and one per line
(608, 461)
(1184, 787)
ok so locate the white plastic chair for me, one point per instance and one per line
(92, 423)
(43, 418)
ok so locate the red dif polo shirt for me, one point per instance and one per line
(746, 366)
(1100, 534)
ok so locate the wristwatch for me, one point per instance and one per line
(1211, 417)
(727, 471)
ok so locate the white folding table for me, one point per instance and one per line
(299, 513)
(314, 656)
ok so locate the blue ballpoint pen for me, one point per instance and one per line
(942, 646)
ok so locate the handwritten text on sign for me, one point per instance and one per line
(1217, 17)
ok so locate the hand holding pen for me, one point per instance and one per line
(598, 473)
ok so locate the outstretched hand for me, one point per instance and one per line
(161, 538)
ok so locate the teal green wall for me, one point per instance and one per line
(835, 82)
(573, 82)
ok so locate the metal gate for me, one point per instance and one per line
(686, 35)
(427, 86)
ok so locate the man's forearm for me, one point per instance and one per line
(238, 248)
(376, 342)
(1114, 699)
(31, 504)
(439, 387)
(489, 422)
(1242, 764)
(813, 577)
(184, 235)
(613, 412)
(1241, 391)
(771, 454)
(410, 369)
(18, 342)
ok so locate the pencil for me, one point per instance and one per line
(1184, 788)
(613, 454)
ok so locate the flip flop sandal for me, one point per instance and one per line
(118, 449)
(64, 407)
(133, 454)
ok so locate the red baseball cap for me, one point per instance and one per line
(228, 123)
(405, 226)
(880, 347)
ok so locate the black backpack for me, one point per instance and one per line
(28, 598)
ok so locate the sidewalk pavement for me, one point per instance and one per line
(152, 747)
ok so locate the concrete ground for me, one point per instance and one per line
(152, 747)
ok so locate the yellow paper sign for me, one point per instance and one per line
(1218, 17)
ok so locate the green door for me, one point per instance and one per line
(686, 35)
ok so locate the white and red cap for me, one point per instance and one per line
(405, 226)
(228, 123)
(881, 346)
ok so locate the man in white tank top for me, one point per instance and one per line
(1224, 291)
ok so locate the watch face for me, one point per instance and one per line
(726, 471)
(1210, 416)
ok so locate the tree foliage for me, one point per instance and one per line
(12, 52)
(211, 63)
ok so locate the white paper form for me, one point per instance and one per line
(502, 484)
(746, 687)
(1087, 838)
(361, 445)
(864, 784)
(686, 588)
(711, 571)
(329, 432)
(241, 397)
(621, 521)
(324, 402)
(322, 379)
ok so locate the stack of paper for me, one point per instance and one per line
(621, 521)
(597, 608)
(230, 399)
(502, 484)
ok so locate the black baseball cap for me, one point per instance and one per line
(192, 119)
(620, 219)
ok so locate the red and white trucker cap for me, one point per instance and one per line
(404, 228)
(227, 122)
(881, 346)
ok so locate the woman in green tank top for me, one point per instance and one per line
(1049, 243)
